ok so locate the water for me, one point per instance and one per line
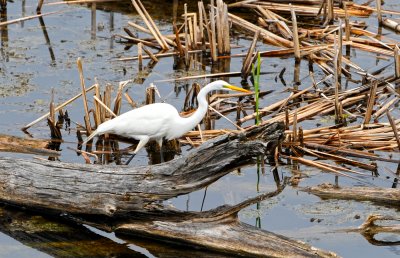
(31, 67)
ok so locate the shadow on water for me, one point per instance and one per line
(58, 238)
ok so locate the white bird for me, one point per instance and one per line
(159, 120)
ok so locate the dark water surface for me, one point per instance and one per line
(36, 59)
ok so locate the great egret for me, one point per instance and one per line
(159, 120)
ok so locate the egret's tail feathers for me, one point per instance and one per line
(90, 137)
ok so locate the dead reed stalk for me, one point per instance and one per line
(85, 104)
(295, 34)
(371, 102)
(150, 23)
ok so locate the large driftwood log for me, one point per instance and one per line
(127, 199)
(116, 190)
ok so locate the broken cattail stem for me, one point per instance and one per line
(280, 21)
(286, 119)
(39, 6)
(190, 39)
(230, 121)
(130, 100)
(397, 61)
(201, 134)
(385, 107)
(55, 133)
(164, 45)
(139, 28)
(275, 105)
(152, 56)
(265, 34)
(222, 25)
(52, 116)
(379, 10)
(150, 94)
(330, 12)
(118, 99)
(342, 159)
(93, 21)
(200, 27)
(181, 49)
(296, 73)
(295, 34)
(226, 28)
(207, 25)
(347, 23)
(213, 33)
(56, 109)
(136, 40)
(201, 76)
(107, 102)
(248, 60)
(301, 136)
(391, 24)
(321, 165)
(186, 36)
(97, 107)
(140, 58)
(337, 84)
(208, 122)
(295, 126)
(150, 24)
(85, 104)
(371, 102)
(195, 28)
(104, 106)
(130, 33)
(218, 18)
(191, 97)
(393, 124)
(2, 24)
(86, 155)
(340, 53)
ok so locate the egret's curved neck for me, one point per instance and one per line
(190, 122)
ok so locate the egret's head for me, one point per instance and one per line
(223, 85)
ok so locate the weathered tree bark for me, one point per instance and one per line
(127, 199)
(382, 196)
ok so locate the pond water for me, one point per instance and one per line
(37, 58)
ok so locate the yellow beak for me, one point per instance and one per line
(236, 88)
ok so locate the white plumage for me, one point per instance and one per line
(159, 120)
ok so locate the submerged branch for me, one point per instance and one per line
(380, 196)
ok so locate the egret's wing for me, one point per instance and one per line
(151, 120)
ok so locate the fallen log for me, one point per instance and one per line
(117, 190)
(128, 199)
(382, 196)
(217, 230)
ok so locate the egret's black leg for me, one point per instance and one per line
(130, 158)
